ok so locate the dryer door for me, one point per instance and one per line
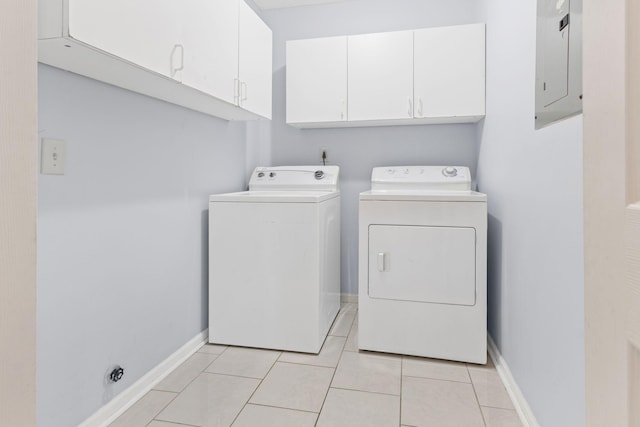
(424, 264)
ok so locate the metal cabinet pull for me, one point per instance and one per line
(236, 92)
(174, 69)
(244, 85)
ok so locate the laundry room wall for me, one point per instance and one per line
(358, 150)
(534, 182)
(122, 268)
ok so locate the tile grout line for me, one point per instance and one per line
(307, 364)
(367, 391)
(475, 393)
(498, 407)
(282, 407)
(172, 422)
(183, 388)
(189, 383)
(313, 355)
(163, 408)
(235, 376)
(256, 389)
(438, 379)
(332, 376)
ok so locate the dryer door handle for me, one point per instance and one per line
(382, 262)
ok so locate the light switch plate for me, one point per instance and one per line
(53, 156)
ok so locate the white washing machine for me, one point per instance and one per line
(274, 260)
(422, 264)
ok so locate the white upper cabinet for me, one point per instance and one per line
(449, 64)
(434, 75)
(380, 82)
(198, 54)
(255, 72)
(145, 32)
(317, 80)
(211, 47)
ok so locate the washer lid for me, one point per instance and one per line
(275, 196)
(438, 178)
(295, 178)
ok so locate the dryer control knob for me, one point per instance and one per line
(319, 174)
(449, 171)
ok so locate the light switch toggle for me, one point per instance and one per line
(53, 156)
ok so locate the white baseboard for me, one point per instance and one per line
(123, 401)
(349, 298)
(519, 402)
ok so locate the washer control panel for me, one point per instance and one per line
(295, 178)
(437, 178)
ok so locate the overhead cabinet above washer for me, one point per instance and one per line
(191, 55)
(433, 75)
(317, 80)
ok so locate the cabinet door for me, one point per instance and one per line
(450, 71)
(147, 33)
(255, 62)
(317, 80)
(211, 47)
(380, 82)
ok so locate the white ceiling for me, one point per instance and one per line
(278, 4)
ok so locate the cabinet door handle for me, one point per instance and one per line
(342, 112)
(382, 264)
(174, 69)
(420, 107)
(410, 108)
(236, 91)
(245, 91)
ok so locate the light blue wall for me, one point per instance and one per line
(358, 150)
(122, 269)
(121, 236)
(534, 182)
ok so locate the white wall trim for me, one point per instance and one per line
(123, 401)
(519, 402)
(349, 298)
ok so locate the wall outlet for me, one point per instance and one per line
(53, 156)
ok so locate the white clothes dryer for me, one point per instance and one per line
(274, 259)
(422, 264)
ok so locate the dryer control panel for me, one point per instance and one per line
(425, 178)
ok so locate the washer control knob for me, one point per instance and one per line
(319, 174)
(272, 174)
(260, 174)
(391, 171)
(449, 171)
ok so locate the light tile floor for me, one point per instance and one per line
(223, 386)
